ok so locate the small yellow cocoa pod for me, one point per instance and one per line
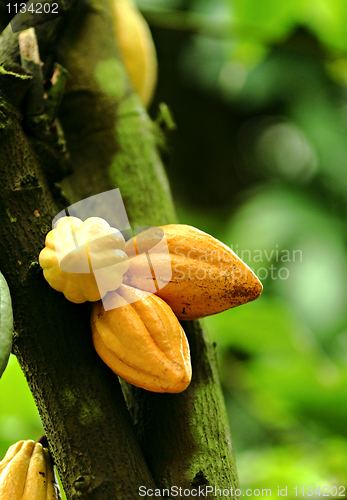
(136, 48)
(207, 276)
(84, 260)
(36, 480)
(11, 452)
(138, 336)
(26, 473)
(14, 469)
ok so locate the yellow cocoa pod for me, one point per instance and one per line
(136, 48)
(26, 473)
(138, 336)
(84, 260)
(207, 276)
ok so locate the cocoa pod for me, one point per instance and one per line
(26, 473)
(138, 336)
(205, 276)
(136, 47)
(84, 260)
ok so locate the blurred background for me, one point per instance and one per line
(258, 91)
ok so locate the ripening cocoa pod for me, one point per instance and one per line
(26, 473)
(136, 47)
(138, 336)
(205, 276)
(84, 260)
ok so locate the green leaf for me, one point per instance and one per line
(6, 324)
(271, 21)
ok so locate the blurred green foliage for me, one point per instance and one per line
(19, 418)
(259, 160)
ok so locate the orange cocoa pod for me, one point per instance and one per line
(206, 277)
(138, 336)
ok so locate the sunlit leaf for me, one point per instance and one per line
(270, 21)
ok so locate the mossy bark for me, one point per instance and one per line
(184, 438)
(109, 134)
